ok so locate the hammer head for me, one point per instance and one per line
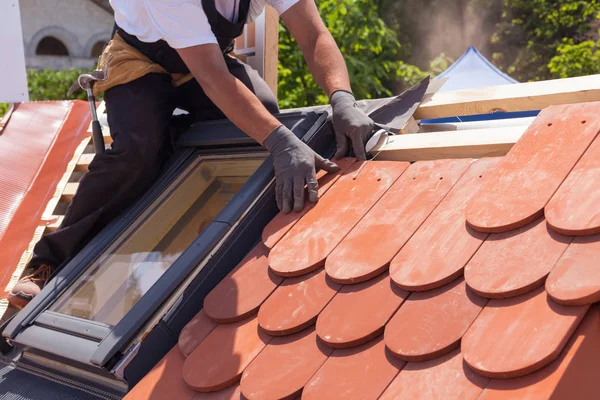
(86, 81)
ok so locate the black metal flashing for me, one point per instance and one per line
(223, 133)
(70, 324)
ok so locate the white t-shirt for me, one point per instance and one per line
(181, 23)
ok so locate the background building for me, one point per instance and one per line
(65, 33)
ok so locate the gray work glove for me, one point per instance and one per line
(351, 122)
(295, 165)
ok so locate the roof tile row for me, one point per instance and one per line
(423, 330)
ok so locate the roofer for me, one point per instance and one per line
(169, 54)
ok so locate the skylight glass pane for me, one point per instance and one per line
(133, 264)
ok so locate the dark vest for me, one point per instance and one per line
(224, 30)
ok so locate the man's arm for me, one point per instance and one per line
(321, 53)
(327, 66)
(293, 160)
(237, 102)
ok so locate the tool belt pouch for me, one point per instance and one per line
(124, 63)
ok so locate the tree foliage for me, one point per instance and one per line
(542, 39)
(49, 84)
(371, 50)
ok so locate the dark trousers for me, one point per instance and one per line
(139, 116)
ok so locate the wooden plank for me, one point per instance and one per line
(69, 191)
(271, 48)
(474, 143)
(52, 227)
(412, 126)
(84, 162)
(517, 97)
(53, 204)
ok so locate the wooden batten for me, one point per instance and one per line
(471, 143)
(517, 97)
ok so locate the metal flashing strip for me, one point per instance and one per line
(223, 133)
(70, 324)
(67, 374)
(62, 344)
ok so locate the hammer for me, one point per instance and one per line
(86, 82)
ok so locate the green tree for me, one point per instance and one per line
(50, 84)
(575, 59)
(542, 39)
(371, 50)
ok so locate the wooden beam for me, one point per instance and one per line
(474, 143)
(84, 162)
(53, 226)
(517, 97)
(69, 191)
(271, 55)
(412, 126)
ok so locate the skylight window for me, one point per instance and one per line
(118, 279)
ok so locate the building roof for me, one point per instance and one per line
(36, 146)
(445, 279)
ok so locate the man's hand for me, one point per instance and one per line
(349, 122)
(295, 164)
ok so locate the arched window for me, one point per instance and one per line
(51, 46)
(97, 48)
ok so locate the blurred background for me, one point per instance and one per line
(387, 44)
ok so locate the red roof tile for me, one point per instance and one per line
(513, 337)
(284, 367)
(361, 372)
(221, 358)
(530, 173)
(282, 223)
(574, 209)
(446, 377)
(35, 148)
(438, 252)
(363, 254)
(195, 332)
(454, 339)
(165, 381)
(244, 289)
(296, 304)
(432, 323)
(233, 392)
(575, 279)
(572, 376)
(309, 242)
(503, 266)
(358, 313)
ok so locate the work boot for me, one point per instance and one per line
(33, 281)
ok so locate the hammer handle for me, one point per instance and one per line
(98, 138)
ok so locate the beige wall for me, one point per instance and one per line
(77, 23)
